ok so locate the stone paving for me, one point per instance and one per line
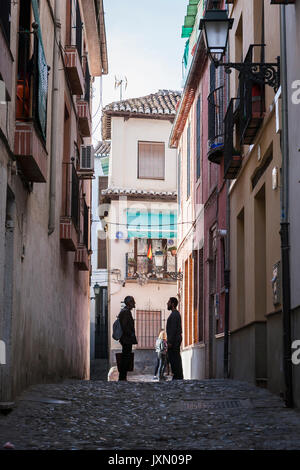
(143, 414)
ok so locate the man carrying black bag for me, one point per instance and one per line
(128, 337)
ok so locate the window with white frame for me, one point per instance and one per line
(151, 160)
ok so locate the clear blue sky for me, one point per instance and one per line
(145, 45)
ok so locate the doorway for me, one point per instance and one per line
(101, 330)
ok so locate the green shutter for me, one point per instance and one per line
(42, 73)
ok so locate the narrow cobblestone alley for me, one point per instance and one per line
(204, 415)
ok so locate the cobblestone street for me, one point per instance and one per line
(142, 414)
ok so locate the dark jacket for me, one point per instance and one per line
(174, 330)
(127, 324)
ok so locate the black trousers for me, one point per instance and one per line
(125, 361)
(176, 363)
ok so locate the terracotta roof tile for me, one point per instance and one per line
(103, 148)
(161, 104)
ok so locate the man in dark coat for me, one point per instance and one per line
(128, 337)
(174, 338)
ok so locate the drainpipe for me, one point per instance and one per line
(284, 223)
(54, 119)
(227, 285)
(227, 256)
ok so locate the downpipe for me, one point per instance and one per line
(284, 222)
(54, 119)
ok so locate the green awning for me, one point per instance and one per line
(105, 164)
(154, 225)
(186, 32)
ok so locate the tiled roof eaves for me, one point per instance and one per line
(188, 95)
(113, 194)
(160, 105)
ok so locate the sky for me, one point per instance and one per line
(145, 46)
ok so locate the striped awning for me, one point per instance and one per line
(154, 225)
(105, 164)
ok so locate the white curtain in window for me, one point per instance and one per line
(152, 160)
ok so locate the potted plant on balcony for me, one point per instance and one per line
(131, 267)
(173, 250)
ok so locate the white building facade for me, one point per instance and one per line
(141, 226)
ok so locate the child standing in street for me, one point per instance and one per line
(161, 348)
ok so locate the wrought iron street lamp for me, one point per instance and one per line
(159, 259)
(216, 26)
(97, 289)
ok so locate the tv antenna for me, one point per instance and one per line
(119, 83)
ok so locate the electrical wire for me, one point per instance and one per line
(145, 225)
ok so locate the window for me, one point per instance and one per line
(5, 18)
(69, 22)
(198, 137)
(151, 160)
(102, 258)
(32, 81)
(148, 324)
(188, 153)
(78, 30)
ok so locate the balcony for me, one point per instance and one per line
(30, 152)
(69, 220)
(141, 269)
(82, 259)
(31, 110)
(84, 118)
(232, 156)
(252, 104)
(216, 125)
(74, 70)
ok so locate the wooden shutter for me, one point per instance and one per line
(102, 259)
(190, 300)
(200, 297)
(186, 299)
(151, 160)
(196, 326)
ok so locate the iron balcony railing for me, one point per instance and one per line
(141, 268)
(252, 100)
(70, 193)
(232, 156)
(216, 124)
